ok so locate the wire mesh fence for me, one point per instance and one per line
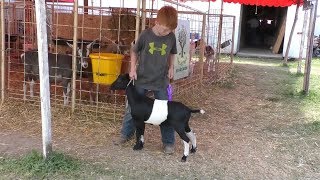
(103, 30)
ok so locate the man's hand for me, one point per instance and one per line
(171, 62)
(133, 75)
(133, 68)
(170, 73)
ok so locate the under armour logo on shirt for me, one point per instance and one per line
(153, 48)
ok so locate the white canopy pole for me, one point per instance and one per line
(41, 18)
(2, 85)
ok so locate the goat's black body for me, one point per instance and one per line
(60, 68)
(141, 108)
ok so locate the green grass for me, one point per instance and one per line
(57, 165)
(287, 84)
(313, 126)
(292, 86)
(310, 102)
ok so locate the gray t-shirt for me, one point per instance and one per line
(153, 52)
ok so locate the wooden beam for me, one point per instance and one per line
(307, 71)
(280, 36)
(85, 4)
(74, 55)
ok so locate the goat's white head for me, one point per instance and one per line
(83, 53)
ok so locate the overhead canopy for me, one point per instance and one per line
(68, 1)
(275, 3)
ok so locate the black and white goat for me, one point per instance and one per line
(86, 70)
(154, 111)
(60, 70)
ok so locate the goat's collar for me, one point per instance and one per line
(131, 80)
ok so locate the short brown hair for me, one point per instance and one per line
(168, 16)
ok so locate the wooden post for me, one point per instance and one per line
(2, 85)
(312, 22)
(74, 55)
(143, 16)
(208, 21)
(85, 5)
(303, 37)
(280, 35)
(202, 46)
(41, 18)
(232, 43)
(219, 37)
(220, 32)
(137, 20)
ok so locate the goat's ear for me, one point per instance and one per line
(70, 45)
(89, 45)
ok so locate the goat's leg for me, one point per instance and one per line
(186, 141)
(190, 135)
(24, 90)
(213, 65)
(66, 91)
(91, 92)
(193, 140)
(209, 65)
(139, 136)
(88, 73)
(31, 84)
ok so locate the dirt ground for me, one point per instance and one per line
(249, 131)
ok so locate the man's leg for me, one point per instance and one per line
(128, 128)
(167, 131)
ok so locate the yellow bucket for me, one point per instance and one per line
(105, 67)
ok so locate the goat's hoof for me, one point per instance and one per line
(184, 159)
(193, 149)
(138, 147)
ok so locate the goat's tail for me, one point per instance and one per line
(197, 111)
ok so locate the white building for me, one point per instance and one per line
(241, 12)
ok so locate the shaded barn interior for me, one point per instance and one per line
(266, 31)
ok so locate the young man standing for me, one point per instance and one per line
(151, 69)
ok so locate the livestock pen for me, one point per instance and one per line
(105, 27)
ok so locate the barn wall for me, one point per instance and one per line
(88, 27)
(296, 40)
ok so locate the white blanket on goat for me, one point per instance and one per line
(159, 112)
